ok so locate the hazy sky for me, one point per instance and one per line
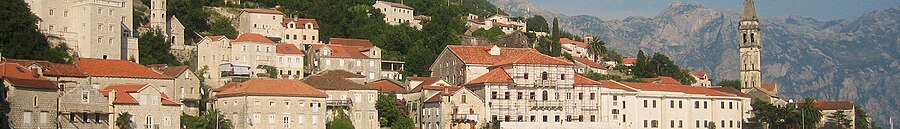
(620, 9)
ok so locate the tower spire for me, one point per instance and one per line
(749, 11)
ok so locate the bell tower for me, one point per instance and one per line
(158, 14)
(749, 47)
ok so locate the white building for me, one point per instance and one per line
(245, 57)
(395, 13)
(702, 79)
(272, 103)
(289, 61)
(266, 22)
(300, 31)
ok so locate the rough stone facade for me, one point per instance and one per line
(362, 111)
(32, 107)
(83, 107)
(266, 112)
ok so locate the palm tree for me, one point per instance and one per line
(124, 120)
(596, 48)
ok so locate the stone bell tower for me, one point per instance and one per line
(749, 47)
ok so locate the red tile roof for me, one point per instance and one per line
(729, 90)
(275, 87)
(123, 96)
(570, 41)
(426, 81)
(175, 71)
(252, 37)
(435, 98)
(480, 55)
(769, 86)
(674, 88)
(12, 70)
(364, 43)
(588, 62)
(615, 85)
(700, 75)
(629, 60)
(300, 22)
(266, 11)
(385, 85)
(497, 75)
(532, 57)
(50, 69)
(227, 86)
(33, 83)
(217, 37)
(581, 80)
(662, 80)
(323, 82)
(117, 68)
(288, 49)
(342, 50)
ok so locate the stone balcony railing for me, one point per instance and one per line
(464, 118)
(339, 103)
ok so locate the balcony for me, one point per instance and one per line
(545, 83)
(464, 118)
(339, 103)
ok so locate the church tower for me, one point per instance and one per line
(158, 14)
(749, 47)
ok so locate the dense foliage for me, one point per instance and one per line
(206, 120)
(340, 121)
(4, 106)
(155, 49)
(192, 15)
(537, 24)
(659, 65)
(390, 114)
(123, 121)
(736, 84)
(861, 119)
(21, 39)
(222, 26)
(489, 34)
(598, 77)
(792, 115)
(838, 119)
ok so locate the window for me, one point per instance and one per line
(580, 96)
(592, 96)
(645, 103)
(85, 97)
(697, 124)
(271, 119)
(654, 103)
(493, 95)
(730, 106)
(722, 123)
(371, 98)
(671, 103)
(149, 122)
(671, 123)
(562, 77)
(705, 105)
(696, 104)
(645, 123)
(654, 124)
(35, 101)
(545, 118)
(286, 121)
(544, 76)
(519, 96)
(463, 97)
(506, 95)
(556, 118)
(43, 117)
(526, 75)
(545, 95)
(615, 97)
(679, 104)
(287, 104)
(300, 119)
(722, 105)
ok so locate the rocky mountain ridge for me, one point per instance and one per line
(855, 60)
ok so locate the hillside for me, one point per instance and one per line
(832, 60)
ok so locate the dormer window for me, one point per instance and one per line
(309, 26)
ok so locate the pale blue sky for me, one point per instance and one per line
(818, 9)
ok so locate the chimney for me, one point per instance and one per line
(495, 51)
(112, 97)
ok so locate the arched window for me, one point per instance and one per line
(544, 76)
(752, 38)
(35, 101)
(744, 38)
(545, 95)
(309, 26)
(149, 121)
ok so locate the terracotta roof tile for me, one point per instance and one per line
(674, 88)
(497, 75)
(699, 74)
(117, 68)
(435, 98)
(833, 105)
(532, 57)
(662, 80)
(123, 96)
(426, 81)
(217, 37)
(323, 82)
(615, 85)
(729, 90)
(55, 69)
(266, 11)
(629, 60)
(480, 55)
(339, 74)
(385, 85)
(581, 80)
(342, 50)
(300, 22)
(33, 83)
(226, 86)
(570, 41)
(277, 87)
(12, 70)
(769, 87)
(288, 49)
(588, 62)
(175, 71)
(364, 43)
(252, 37)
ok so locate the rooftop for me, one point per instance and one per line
(288, 49)
(252, 37)
(385, 85)
(480, 55)
(270, 87)
(123, 95)
(116, 68)
(497, 75)
(266, 11)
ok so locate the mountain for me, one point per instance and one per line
(854, 60)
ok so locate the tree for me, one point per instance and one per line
(537, 24)
(489, 34)
(388, 114)
(341, 121)
(192, 15)
(124, 120)
(639, 68)
(711, 125)
(611, 55)
(660, 65)
(839, 119)
(204, 88)
(736, 84)
(809, 115)
(596, 48)
(209, 120)
(861, 118)
(555, 46)
(4, 106)
(222, 26)
(155, 49)
(20, 36)
(403, 123)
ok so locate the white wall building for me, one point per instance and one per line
(395, 13)
(93, 29)
(266, 22)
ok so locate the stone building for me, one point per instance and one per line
(266, 22)
(149, 107)
(84, 107)
(460, 64)
(299, 31)
(243, 57)
(272, 103)
(32, 98)
(702, 79)
(750, 49)
(575, 48)
(188, 92)
(455, 107)
(828, 108)
(289, 61)
(585, 65)
(354, 55)
(395, 13)
(92, 29)
(346, 91)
